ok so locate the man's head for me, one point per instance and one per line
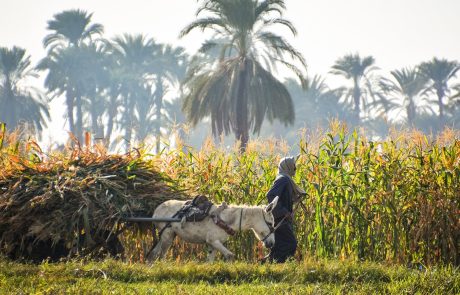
(287, 166)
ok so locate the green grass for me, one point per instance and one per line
(310, 277)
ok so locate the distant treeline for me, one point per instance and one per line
(129, 88)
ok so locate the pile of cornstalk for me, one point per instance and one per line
(75, 202)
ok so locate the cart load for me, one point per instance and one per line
(75, 204)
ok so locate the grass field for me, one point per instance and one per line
(309, 277)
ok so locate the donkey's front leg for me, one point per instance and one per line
(211, 253)
(217, 245)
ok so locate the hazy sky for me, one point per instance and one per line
(398, 33)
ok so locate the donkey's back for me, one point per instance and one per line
(190, 231)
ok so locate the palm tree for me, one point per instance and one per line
(457, 89)
(169, 68)
(78, 73)
(315, 107)
(317, 104)
(132, 77)
(454, 104)
(95, 62)
(70, 29)
(238, 90)
(409, 84)
(20, 102)
(357, 69)
(439, 72)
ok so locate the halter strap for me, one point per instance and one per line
(270, 227)
(241, 217)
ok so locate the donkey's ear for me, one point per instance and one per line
(272, 205)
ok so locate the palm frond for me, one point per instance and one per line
(203, 24)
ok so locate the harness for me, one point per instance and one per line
(270, 227)
(197, 210)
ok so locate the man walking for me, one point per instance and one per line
(288, 192)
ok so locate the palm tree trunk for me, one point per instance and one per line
(129, 108)
(112, 114)
(79, 127)
(440, 95)
(356, 100)
(94, 125)
(70, 106)
(410, 112)
(242, 126)
(159, 92)
(10, 110)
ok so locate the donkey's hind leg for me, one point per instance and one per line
(161, 248)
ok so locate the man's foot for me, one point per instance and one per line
(265, 259)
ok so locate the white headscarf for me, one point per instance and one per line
(287, 168)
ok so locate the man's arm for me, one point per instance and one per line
(279, 189)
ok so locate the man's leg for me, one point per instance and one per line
(285, 244)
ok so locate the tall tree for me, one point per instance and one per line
(314, 108)
(20, 102)
(407, 85)
(454, 104)
(317, 104)
(81, 75)
(358, 70)
(439, 72)
(168, 67)
(132, 79)
(71, 29)
(238, 90)
(95, 64)
(457, 90)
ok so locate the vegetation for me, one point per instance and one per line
(68, 62)
(309, 277)
(238, 90)
(409, 83)
(394, 200)
(68, 204)
(439, 72)
(93, 71)
(377, 195)
(389, 200)
(20, 103)
(356, 69)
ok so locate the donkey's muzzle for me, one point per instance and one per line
(269, 243)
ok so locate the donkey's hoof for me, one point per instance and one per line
(230, 257)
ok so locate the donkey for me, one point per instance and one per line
(236, 217)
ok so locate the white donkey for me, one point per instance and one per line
(236, 217)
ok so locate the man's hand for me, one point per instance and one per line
(289, 216)
(298, 197)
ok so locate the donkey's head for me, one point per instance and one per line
(264, 225)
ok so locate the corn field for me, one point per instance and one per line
(397, 199)
(392, 200)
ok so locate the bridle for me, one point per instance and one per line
(270, 227)
(268, 224)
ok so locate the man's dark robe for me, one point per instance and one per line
(285, 241)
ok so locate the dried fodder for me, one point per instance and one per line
(73, 201)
